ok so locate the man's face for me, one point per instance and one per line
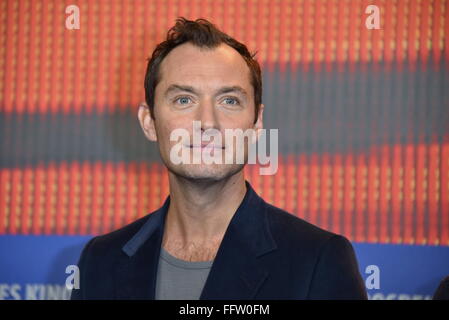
(212, 86)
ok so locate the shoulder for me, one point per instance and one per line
(112, 242)
(294, 235)
(331, 259)
(96, 262)
(442, 292)
(286, 226)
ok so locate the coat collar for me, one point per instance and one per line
(236, 272)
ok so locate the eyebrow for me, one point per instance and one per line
(222, 90)
(177, 87)
(237, 89)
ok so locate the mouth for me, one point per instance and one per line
(206, 146)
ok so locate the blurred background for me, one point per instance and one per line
(363, 119)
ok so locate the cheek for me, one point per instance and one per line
(166, 128)
(246, 118)
(164, 132)
(242, 121)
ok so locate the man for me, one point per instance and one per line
(214, 237)
(442, 292)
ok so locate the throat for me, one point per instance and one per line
(192, 251)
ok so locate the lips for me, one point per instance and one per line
(205, 146)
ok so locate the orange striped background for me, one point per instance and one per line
(349, 194)
(392, 194)
(48, 68)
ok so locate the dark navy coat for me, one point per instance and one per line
(266, 253)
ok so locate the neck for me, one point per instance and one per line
(199, 211)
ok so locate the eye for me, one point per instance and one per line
(231, 101)
(183, 100)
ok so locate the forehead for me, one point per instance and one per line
(204, 67)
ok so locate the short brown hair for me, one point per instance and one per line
(201, 33)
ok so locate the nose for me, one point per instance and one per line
(207, 115)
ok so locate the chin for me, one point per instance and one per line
(203, 172)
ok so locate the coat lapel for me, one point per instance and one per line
(236, 272)
(136, 269)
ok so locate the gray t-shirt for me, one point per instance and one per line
(179, 279)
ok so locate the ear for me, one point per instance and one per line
(146, 122)
(258, 126)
